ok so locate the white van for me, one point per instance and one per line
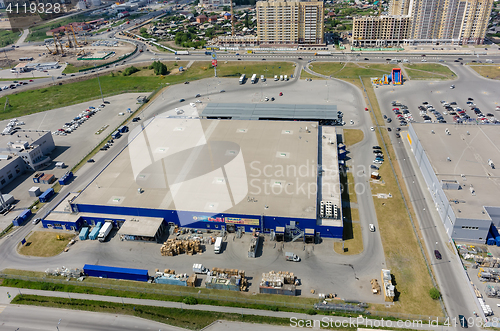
(286, 77)
(262, 78)
(281, 77)
(275, 77)
(218, 245)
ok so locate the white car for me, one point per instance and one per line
(452, 87)
(372, 129)
(352, 122)
(372, 227)
(377, 162)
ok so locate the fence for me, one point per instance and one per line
(222, 297)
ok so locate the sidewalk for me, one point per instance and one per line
(342, 321)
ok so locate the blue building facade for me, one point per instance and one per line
(201, 220)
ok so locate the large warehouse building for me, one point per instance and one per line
(458, 165)
(210, 174)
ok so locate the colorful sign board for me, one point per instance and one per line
(228, 220)
(213, 48)
(214, 63)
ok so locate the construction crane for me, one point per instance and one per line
(232, 19)
(51, 51)
(74, 37)
(69, 44)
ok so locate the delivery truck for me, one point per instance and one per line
(198, 268)
(292, 257)
(218, 245)
(105, 230)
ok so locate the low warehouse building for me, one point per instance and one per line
(142, 229)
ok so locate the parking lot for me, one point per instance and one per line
(471, 100)
(70, 148)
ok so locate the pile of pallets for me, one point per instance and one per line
(278, 279)
(231, 274)
(173, 247)
(192, 280)
(375, 286)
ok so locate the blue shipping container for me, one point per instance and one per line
(19, 220)
(45, 197)
(84, 233)
(116, 273)
(95, 231)
(66, 178)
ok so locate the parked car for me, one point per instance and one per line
(36, 220)
(182, 100)
(90, 160)
(372, 227)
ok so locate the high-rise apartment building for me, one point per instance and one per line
(283, 22)
(449, 21)
(381, 31)
(436, 22)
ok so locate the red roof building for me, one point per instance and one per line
(201, 19)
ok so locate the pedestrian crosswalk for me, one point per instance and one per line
(2, 308)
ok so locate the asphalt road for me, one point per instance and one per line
(31, 318)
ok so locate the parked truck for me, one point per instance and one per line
(198, 268)
(182, 53)
(218, 245)
(254, 79)
(105, 230)
(292, 257)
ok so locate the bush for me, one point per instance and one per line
(190, 301)
(311, 312)
(159, 68)
(130, 70)
(434, 293)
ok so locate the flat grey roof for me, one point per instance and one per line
(20, 135)
(469, 147)
(141, 226)
(255, 111)
(214, 166)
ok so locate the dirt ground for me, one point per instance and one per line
(41, 54)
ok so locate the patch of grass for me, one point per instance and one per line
(184, 318)
(28, 102)
(353, 239)
(428, 71)
(304, 75)
(488, 71)
(71, 69)
(353, 136)
(351, 70)
(45, 243)
(9, 37)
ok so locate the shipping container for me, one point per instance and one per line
(232, 284)
(95, 231)
(37, 177)
(19, 220)
(64, 180)
(84, 233)
(285, 290)
(45, 197)
(116, 272)
(170, 280)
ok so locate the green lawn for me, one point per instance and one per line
(428, 71)
(351, 70)
(31, 101)
(9, 37)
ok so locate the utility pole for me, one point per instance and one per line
(232, 19)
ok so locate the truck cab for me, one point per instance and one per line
(289, 256)
(218, 245)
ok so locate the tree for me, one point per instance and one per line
(434, 293)
(226, 8)
(143, 31)
(130, 70)
(159, 68)
(246, 20)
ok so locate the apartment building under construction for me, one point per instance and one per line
(294, 23)
(381, 31)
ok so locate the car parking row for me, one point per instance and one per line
(72, 125)
(15, 84)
